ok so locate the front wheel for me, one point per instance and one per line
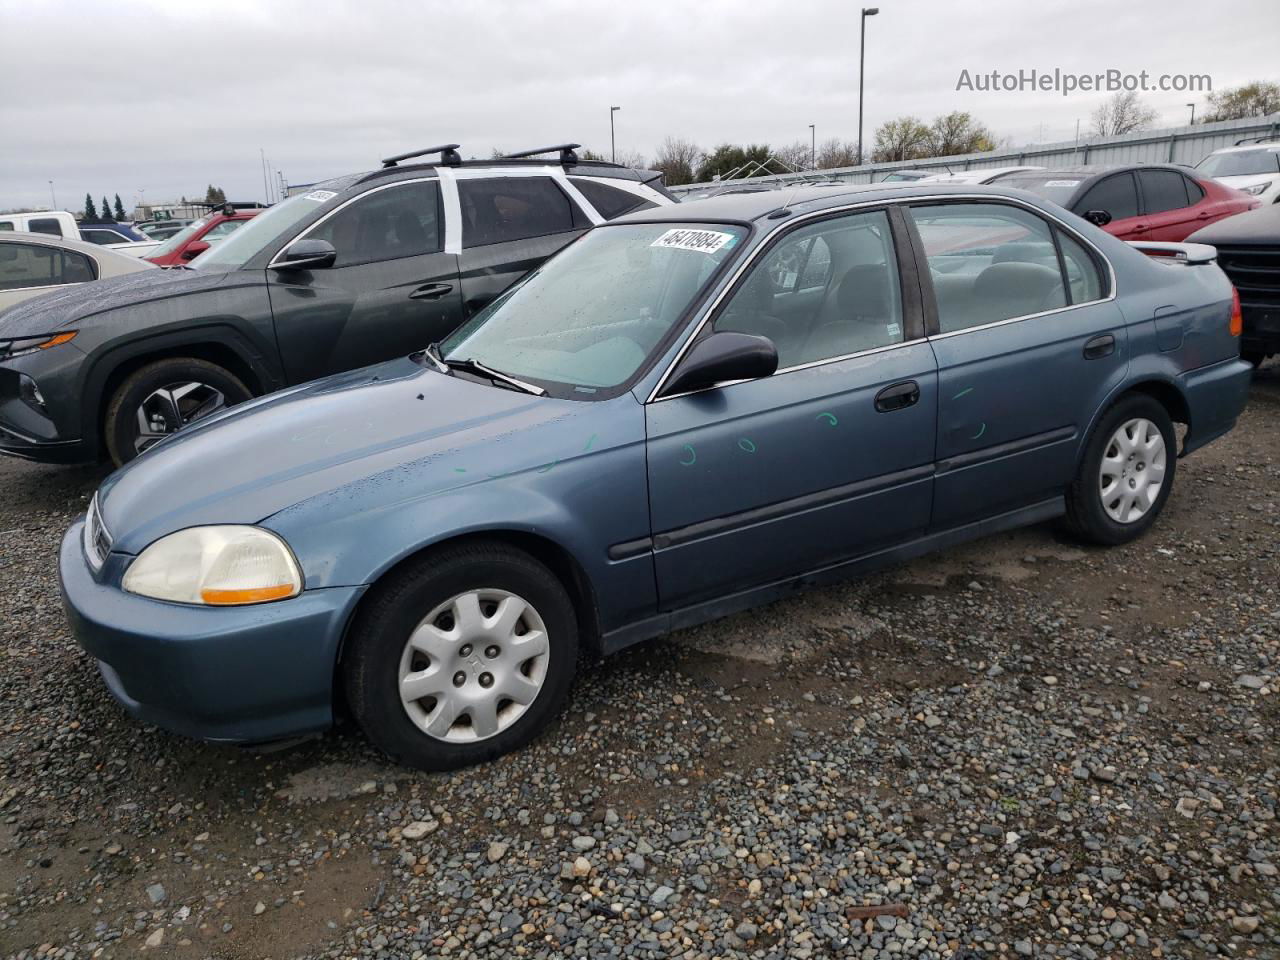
(1126, 473)
(461, 657)
(163, 397)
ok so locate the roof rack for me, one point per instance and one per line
(566, 151)
(1269, 138)
(448, 154)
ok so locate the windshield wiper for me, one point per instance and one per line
(475, 366)
(432, 353)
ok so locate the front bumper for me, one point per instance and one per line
(1215, 395)
(230, 674)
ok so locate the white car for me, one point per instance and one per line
(59, 223)
(36, 263)
(1253, 168)
(982, 175)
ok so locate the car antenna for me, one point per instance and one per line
(566, 150)
(448, 154)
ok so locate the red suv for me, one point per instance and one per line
(199, 236)
(1138, 201)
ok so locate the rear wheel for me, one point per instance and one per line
(1126, 473)
(461, 657)
(162, 398)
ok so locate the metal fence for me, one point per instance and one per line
(1188, 145)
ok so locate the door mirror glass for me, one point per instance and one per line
(723, 357)
(309, 254)
(194, 249)
(1099, 218)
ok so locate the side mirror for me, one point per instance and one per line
(307, 255)
(1099, 218)
(194, 249)
(722, 357)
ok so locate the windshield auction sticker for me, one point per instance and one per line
(702, 241)
(1062, 183)
(320, 196)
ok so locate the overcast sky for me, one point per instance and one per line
(167, 96)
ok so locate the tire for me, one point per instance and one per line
(1093, 515)
(472, 722)
(176, 391)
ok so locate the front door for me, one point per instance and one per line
(391, 291)
(1024, 360)
(829, 458)
(1118, 196)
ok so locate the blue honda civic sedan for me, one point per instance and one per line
(685, 413)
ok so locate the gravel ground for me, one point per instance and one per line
(1022, 747)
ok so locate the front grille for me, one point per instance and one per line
(1255, 272)
(97, 541)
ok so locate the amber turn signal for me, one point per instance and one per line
(1237, 318)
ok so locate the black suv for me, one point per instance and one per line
(359, 269)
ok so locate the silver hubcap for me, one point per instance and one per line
(171, 408)
(473, 666)
(1132, 471)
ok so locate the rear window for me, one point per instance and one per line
(609, 201)
(1059, 188)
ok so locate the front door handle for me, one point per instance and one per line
(898, 396)
(431, 291)
(1100, 347)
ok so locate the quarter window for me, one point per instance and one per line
(400, 221)
(1084, 280)
(1162, 190)
(501, 209)
(1195, 192)
(1116, 195)
(826, 290)
(988, 262)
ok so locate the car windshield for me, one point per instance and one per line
(243, 245)
(1058, 187)
(178, 239)
(1240, 163)
(589, 318)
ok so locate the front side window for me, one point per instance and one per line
(590, 318)
(502, 209)
(1116, 194)
(46, 225)
(826, 290)
(388, 224)
(1162, 190)
(988, 262)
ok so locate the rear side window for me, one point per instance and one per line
(1116, 194)
(988, 262)
(388, 224)
(1162, 190)
(609, 201)
(23, 266)
(501, 209)
(46, 225)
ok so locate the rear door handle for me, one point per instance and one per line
(1204, 214)
(431, 291)
(898, 396)
(1099, 347)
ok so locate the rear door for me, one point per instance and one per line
(1166, 206)
(1117, 194)
(392, 290)
(510, 224)
(832, 456)
(1024, 360)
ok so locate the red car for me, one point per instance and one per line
(199, 236)
(1137, 201)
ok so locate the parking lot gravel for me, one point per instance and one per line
(1018, 748)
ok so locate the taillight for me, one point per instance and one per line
(1237, 318)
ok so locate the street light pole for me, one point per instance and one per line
(813, 148)
(613, 147)
(862, 56)
(53, 196)
(1193, 113)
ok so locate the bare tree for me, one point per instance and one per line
(797, 156)
(678, 160)
(1255, 99)
(1123, 113)
(837, 153)
(631, 158)
(956, 133)
(904, 138)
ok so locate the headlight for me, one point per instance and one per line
(217, 566)
(1256, 188)
(21, 346)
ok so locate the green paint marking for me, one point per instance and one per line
(980, 432)
(547, 467)
(589, 443)
(962, 393)
(830, 418)
(693, 457)
(746, 445)
(459, 469)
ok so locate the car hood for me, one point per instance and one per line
(367, 426)
(1247, 180)
(1260, 228)
(66, 308)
